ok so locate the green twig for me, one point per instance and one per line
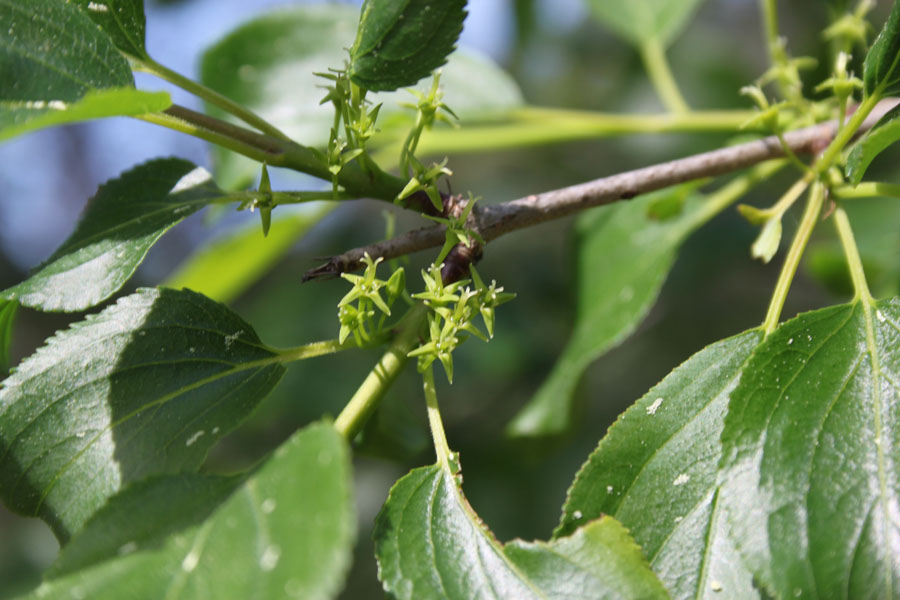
(660, 74)
(441, 448)
(792, 261)
(380, 378)
(867, 189)
(851, 251)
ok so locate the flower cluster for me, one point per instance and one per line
(359, 319)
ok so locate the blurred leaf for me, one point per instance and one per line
(286, 531)
(881, 73)
(639, 21)
(431, 544)
(120, 224)
(810, 452)
(7, 315)
(268, 63)
(878, 239)
(656, 472)
(122, 20)
(229, 265)
(624, 256)
(400, 42)
(885, 133)
(147, 386)
(52, 55)
(17, 117)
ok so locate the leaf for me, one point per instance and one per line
(885, 133)
(17, 117)
(810, 448)
(51, 55)
(285, 531)
(7, 315)
(120, 224)
(268, 65)
(656, 472)
(399, 43)
(624, 256)
(225, 268)
(122, 20)
(430, 544)
(880, 73)
(147, 386)
(640, 21)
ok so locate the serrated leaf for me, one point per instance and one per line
(639, 21)
(229, 265)
(120, 224)
(400, 42)
(51, 55)
(122, 20)
(430, 544)
(18, 117)
(885, 133)
(810, 448)
(881, 73)
(624, 256)
(268, 64)
(146, 386)
(286, 532)
(7, 315)
(656, 471)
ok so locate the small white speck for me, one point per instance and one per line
(651, 410)
(98, 7)
(269, 558)
(609, 489)
(190, 562)
(80, 434)
(679, 519)
(192, 349)
(268, 505)
(715, 585)
(880, 316)
(231, 339)
(127, 548)
(215, 430)
(194, 438)
(57, 105)
(790, 341)
(682, 479)
(577, 514)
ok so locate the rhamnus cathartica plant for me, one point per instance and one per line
(765, 466)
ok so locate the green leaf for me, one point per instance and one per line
(51, 55)
(624, 256)
(430, 544)
(268, 65)
(122, 20)
(885, 133)
(285, 532)
(147, 386)
(881, 74)
(122, 221)
(810, 452)
(639, 21)
(400, 42)
(7, 315)
(17, 117)
(228, 266)
(656, 472)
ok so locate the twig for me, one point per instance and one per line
(493, 221)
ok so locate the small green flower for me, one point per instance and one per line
(366, 293)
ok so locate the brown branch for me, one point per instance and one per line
(495, 220)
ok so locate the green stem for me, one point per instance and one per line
(148, 65)
(365, 400)
(851, 251)
(792, 261)
(867, 189)
(660, 74)
(844, 136)
(441, 448)
(717, 201)
(279, 198)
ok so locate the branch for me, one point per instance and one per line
(493, 221)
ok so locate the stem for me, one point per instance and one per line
(851, 251)
(845, 134)
(657, 67)
(867, 189)
(315, 349)
(148, 65)
(717, 201)
(787, 200)
(792, 261)
(279, 198)
(441, 448)
(365, 400)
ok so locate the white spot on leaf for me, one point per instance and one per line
(269, 558)
(577, 514)
(190, 441)
(268, 505)
(190, 562)
(682, 479)
(97, 7)
(651, 410)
